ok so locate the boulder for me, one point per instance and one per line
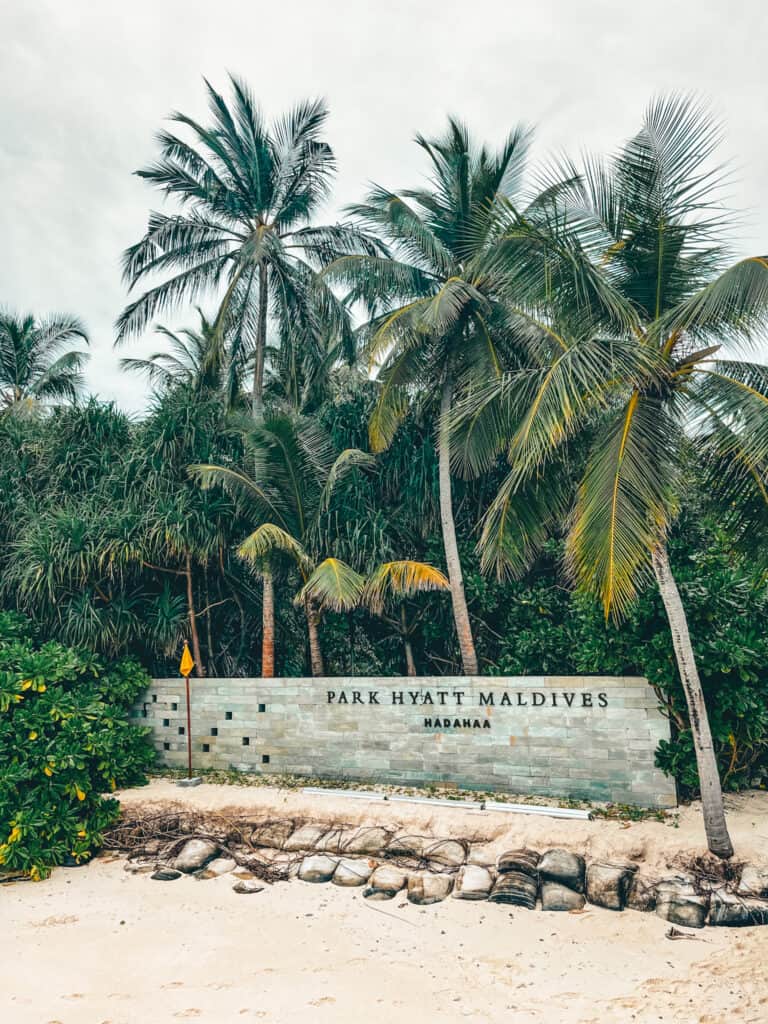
(353, 872)
(448, 852)
(364, 840)
(318, 868)
(385, 882)
(407, 846)
(473, 882)
(555, 896)
(608, 884)
(678, 902)
(732, 911)
(164, 875)
(642, 893)
(247, 887)
(272, 834)
(524, 860)
(195, 854)
(753, 882)
(330, 841)
(220, 866)
(480, 854)
(564, 867)
(516, 888)
(304, 838)
(425, 888)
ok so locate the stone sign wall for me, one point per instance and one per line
(565, 736)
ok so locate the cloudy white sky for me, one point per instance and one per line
(85, 84)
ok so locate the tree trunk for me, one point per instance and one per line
(315, 654)
(460, 613)
(410, 663)
(199, 667)
(715, 826)
(268, 626)
(257, 400)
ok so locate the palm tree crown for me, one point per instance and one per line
(36, 362)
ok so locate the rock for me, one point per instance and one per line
(608, 884)
(318, 868)
(385, 882)
(304, 838)
(195, 854)
(731, 911)
(448, 852)
(555, 896)
(425, 888)
(678, 903)
(220, 866)
(364, 840)
(353, 872)
(247, 887)
(473, 882)
(407, 846)
(524, 860)
(753, 882)
(329, 842)
(564, 867)
(164, 875)
(515, 888)
(642, 893)
(480, 854)
(272, 834)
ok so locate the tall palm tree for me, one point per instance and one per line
(293, 472)
(248, 192)
(437, 310)
(649, 223)
(37, 362)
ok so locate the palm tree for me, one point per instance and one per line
(648, 223)
(36, 361)
(437, 311)
(248, 193)
(294, 470)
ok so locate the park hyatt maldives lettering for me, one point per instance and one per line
(458, 699)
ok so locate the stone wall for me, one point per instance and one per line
(564, 736)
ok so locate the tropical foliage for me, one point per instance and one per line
(528, 389)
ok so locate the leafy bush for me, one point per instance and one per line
(64, 741)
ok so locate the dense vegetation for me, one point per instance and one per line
(64, 741)
(516, 378)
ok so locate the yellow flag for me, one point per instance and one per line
(187, 664)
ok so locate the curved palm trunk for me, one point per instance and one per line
(257, 399)
(268, 625)
(718, 840)
(458, 598)
(199, 667)
(315, 653)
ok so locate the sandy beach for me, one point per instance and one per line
(99, 945)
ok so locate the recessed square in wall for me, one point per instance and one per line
(246, 741)
(228, 715)
(265, 758)
(206, 747)
(214, 731)
(262, 707)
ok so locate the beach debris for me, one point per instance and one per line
(448, 852)
(642, 893)
(318, 868)
(247, 887)
(674, 933)
(516, 888)
(729, 910)
(473, 882)
(273, 834)
(330, 841)
(165, 875)
(139, 867)
(555, 896)
(678, 902)
(351, 871)
(753, 882)
(408, 846)
(304, 838)
(608, 884)
(364, 840)
(425, 888)
(480, 854)
(564, 867)
(195, 854)
(385, 882)
(523, 860)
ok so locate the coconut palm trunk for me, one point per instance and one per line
(315, 653)
(718, 840)
(268, 625)
(453, 563)
(257, 400)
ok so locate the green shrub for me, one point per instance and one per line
(64, 741)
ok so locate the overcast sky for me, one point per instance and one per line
(85, 85)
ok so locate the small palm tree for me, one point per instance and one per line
(647, 223)
(248, 192)
(438, 311)
(37, 363)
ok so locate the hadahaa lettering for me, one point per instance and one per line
(458, 698)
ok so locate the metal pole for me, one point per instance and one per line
(189, 732)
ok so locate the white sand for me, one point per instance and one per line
(97, 945)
